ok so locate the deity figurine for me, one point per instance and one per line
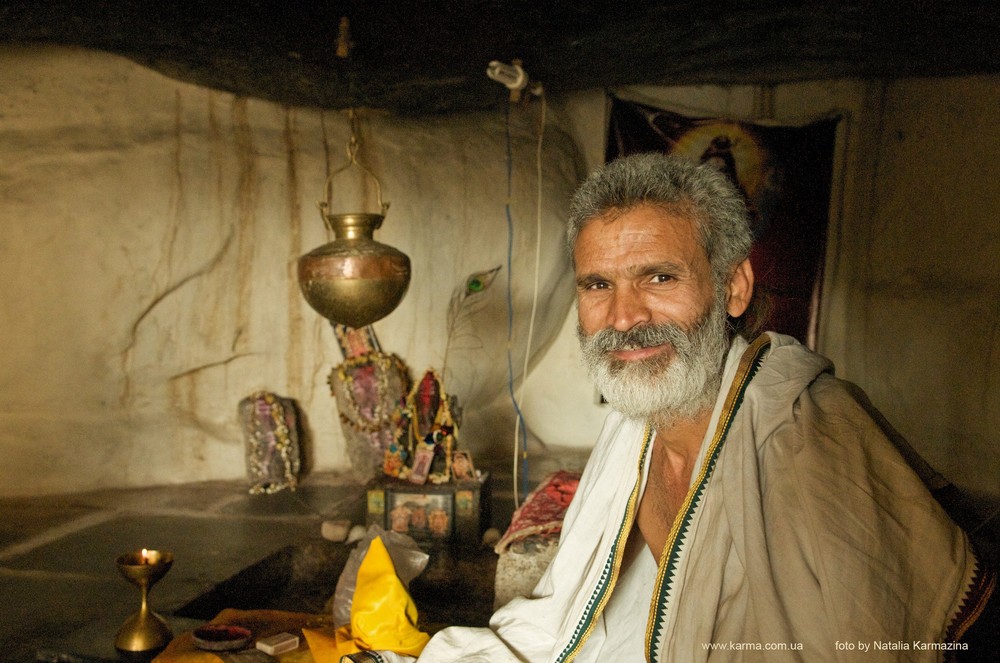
(424, 435)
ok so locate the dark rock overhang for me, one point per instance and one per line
(427, 57)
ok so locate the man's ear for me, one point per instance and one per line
(740, 289)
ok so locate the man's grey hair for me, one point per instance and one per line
(679, 185)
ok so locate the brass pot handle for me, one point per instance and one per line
(352, 160)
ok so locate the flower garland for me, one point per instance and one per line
(264, 402)
(346, 373)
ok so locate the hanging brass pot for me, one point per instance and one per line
(353, 280)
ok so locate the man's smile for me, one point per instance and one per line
(638, 353)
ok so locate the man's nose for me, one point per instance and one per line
(628, 309)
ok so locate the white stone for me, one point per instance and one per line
(335, 530)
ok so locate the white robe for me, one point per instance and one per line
(804, 537)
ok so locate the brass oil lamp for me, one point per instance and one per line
(144, 634)
(353, 280)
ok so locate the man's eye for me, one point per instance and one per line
(662, 278)
(597, 285)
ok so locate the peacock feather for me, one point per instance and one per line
(465, 301)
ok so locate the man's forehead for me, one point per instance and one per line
(650, 223)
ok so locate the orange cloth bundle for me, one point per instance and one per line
(383, 615)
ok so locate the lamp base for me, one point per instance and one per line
(143, 636)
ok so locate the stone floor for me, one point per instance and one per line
(61, 591)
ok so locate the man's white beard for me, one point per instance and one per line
(664, 387)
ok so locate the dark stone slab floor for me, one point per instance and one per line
(60, 591)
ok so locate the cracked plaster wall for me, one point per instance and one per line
(150, 233)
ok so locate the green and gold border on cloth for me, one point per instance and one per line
(609, 575)
(677, 538)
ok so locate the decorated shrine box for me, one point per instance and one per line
(455, 512)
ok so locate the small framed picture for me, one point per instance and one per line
(423, 457)
(356, 342)
(461, 466)
(421, 515)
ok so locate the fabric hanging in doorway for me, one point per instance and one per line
(785, 174)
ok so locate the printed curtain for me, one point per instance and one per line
(785, 175)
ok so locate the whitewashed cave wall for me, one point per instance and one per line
(150, 229)
(911, 308)
(149, 237)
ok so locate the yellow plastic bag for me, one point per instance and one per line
(383, 615)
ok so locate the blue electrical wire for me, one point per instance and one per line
(510, 310)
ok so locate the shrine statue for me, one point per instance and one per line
(425, 430)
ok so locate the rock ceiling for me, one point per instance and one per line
(423, 57)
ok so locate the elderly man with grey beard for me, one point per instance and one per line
(741, 503)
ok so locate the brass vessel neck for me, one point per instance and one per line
(353, 226)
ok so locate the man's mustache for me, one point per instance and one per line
(644, 336)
